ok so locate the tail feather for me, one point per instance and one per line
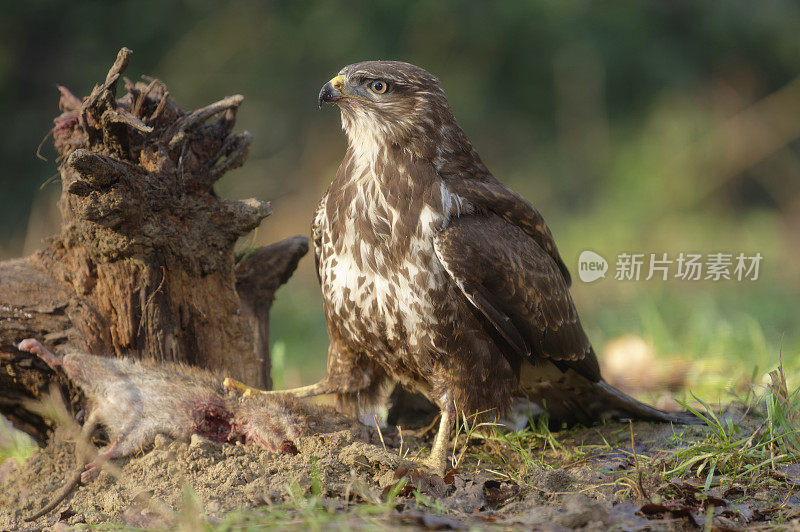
(572, 398)
(618, 405)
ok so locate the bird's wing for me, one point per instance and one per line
(518, 287)
(488, 195)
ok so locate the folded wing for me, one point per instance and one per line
(520, 289)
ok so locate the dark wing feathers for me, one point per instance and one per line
(519, 287)
(491, 196)
(480, 297)
(505, 263)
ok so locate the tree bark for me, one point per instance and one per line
(144, 264)
(258, 275)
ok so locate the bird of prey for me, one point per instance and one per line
(438, 277)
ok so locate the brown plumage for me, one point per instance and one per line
(437, 276)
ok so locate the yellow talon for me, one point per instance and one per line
(234, 385)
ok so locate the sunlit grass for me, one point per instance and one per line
(747, 446)
(744, 447)
(14, 444)
(733, 454)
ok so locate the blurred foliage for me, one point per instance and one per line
(633, 126)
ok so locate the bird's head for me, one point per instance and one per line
(388, 103)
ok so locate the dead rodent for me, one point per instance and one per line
(135, 401)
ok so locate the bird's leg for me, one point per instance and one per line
(347, 373)
(320, 388)
(437, 460)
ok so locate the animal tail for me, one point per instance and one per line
(65, 490)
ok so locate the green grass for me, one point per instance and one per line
(517, 455)
(14, 444)
(747, 445)
(746, 457)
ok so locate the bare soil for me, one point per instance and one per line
(350, 469)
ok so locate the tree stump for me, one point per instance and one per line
(144, 264)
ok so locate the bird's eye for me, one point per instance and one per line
(378, 87)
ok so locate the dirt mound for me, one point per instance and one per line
(223, 477)
(154, 488)
(355, 478)
(151, 490)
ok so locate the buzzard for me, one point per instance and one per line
(436, 276)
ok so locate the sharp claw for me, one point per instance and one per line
(236, 386)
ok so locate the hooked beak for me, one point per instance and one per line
(332, 91)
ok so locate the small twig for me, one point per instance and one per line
(176, 133)
(119, 66)
(137, 106)
(633, 448)
(235, 151)
(121, 116)
(160, 107)
(400, 430)
(639, 483)
(48, 181)
(380, 433)
(39, 148)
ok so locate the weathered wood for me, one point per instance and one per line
(144, 263)
(258, 276)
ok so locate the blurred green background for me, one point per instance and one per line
(649, 127)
